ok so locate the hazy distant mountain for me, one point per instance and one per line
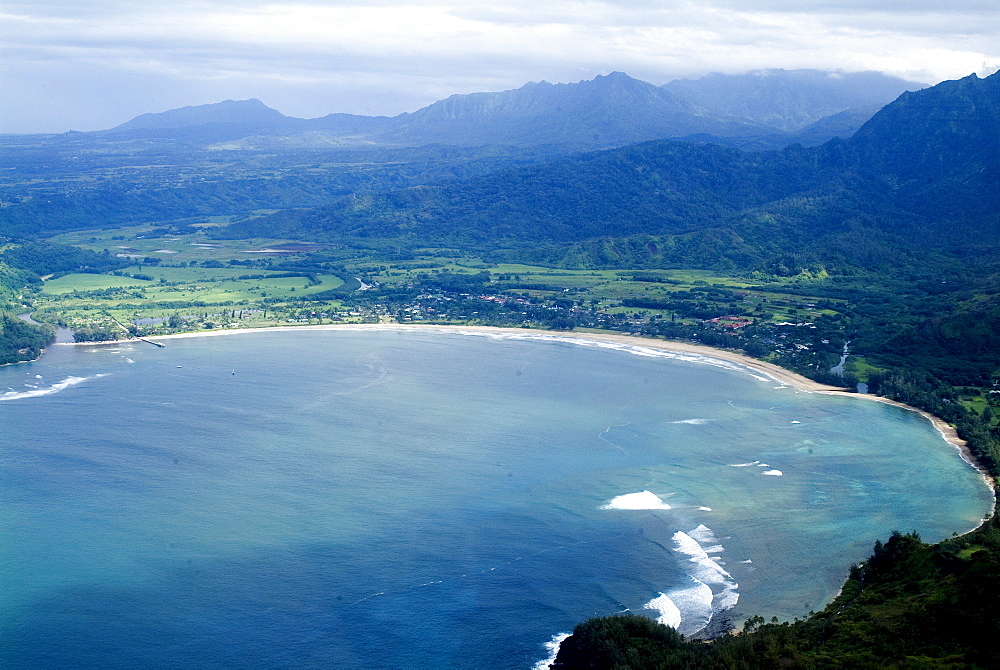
(755, 110)
(842, 124)
(248, 113)
(921, 175)
(789, 100)
(608, 110)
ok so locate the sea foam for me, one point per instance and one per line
(714, 589)
(637, 501)
(703, 534)
(36, 392)
(670, 614)
(552, 646)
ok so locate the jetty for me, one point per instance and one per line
(141, 339)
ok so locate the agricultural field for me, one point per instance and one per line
(155, 242)
(607, 289)
(188, 281)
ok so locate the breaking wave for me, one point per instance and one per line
(637, 501)
(670, 614)
(49, 390)
(712, 589)
(552, 646)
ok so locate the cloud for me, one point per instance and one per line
(387, 56)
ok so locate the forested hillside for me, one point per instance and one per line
(21, 266)
(918, 178)
(54, 188)
(887, 243)
(910, 605)
(903, 219)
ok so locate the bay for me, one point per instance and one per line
(413, 499)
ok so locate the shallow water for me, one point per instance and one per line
(377, 499)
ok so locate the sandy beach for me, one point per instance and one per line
(779, 374)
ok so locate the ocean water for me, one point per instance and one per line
(422, 499)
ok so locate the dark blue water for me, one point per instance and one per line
(387, 499)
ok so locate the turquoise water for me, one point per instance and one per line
(377, 499)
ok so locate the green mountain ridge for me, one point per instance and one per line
(919, 176)
(893, 233)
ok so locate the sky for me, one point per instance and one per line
(93, 64)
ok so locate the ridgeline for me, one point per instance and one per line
(888, 240)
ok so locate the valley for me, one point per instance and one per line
(881, 240)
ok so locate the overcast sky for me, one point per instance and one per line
(92, 64)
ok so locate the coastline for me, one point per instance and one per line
(947, 431)
(722, 622)
(778, 374)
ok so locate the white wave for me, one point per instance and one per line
(552, 646)
(744, 465)
(36, 392)
(705, 509)
(773, 473)
(708, 571)
(637, 501)
(670, 614)
(693, 422)
(703, 534)
(796, 422)
(695, 605)
(726, 599)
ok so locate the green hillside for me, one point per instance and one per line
(887, 243)
(918, 178)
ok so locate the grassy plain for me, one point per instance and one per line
(213, 283)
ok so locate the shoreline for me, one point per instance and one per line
(722, 622)
(778, 374)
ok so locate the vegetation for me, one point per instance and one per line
(886, 201)
(884, 246)
(910, 605)
(21, 341)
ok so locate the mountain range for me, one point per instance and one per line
(768, 108)
(919, 176)
(894, 224)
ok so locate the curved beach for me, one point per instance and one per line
(654, 465)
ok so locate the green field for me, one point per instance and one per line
(142, 242)
(211, 283)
